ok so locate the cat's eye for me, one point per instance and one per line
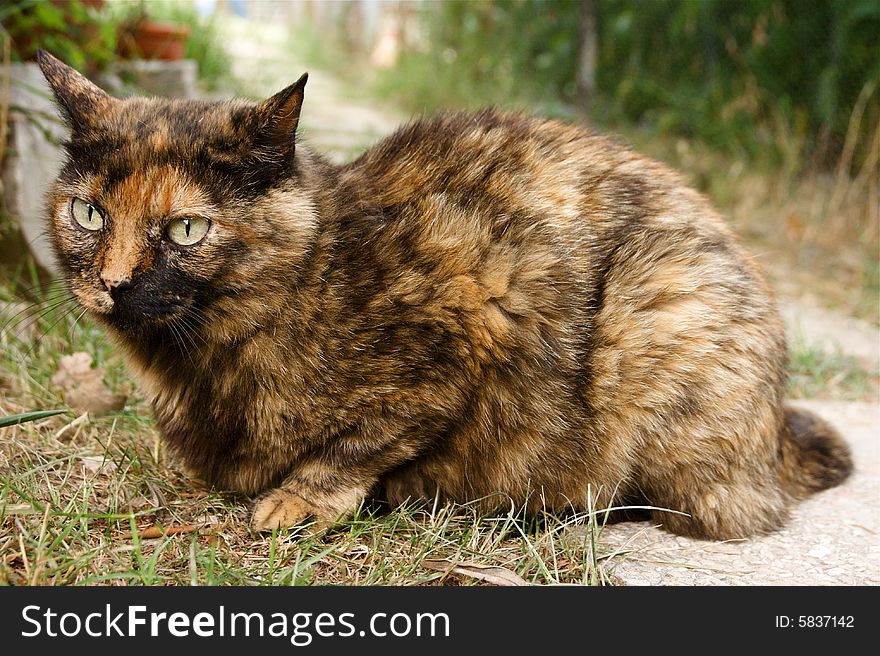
(86, 215)
(187, 230)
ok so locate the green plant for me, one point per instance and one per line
(736, 75)
(81, 32)
(814, 373)
(21, 418)
(505, 53)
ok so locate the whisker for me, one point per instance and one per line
(38, 293)
(74, 324)
(199, 319)
(46, 299)
(193, 322)
(64, 314)
(52, 307)
(178, 338)
(34, 312)
(185, 330)
(17, 319)
(40, 289)
(191, 333)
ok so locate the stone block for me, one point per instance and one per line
(33, 157)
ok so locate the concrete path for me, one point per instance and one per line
(832, 538)
(831, 331)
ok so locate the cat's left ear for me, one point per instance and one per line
(80, 100)
(279, 115)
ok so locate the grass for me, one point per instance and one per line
(816, 373)
(72, 536)
(77, 493)
(64, 523)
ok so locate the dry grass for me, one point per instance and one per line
(815, 231)
(79, 498)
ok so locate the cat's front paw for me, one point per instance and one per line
(281, 508)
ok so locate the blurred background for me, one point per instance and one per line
(770, 107)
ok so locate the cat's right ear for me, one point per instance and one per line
(80, 100)
(279, 116)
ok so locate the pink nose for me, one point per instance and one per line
(115, 283)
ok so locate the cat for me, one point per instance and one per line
(483, 307)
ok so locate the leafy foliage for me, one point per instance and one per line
(84, 33)
(74, 30)
(733, 73)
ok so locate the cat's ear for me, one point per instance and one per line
(80, 100)
(279, 115)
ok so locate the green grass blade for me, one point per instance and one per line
(12, 420)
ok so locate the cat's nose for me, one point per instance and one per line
(116, 284)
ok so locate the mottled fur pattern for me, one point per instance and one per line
(481, 307)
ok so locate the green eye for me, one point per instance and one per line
(187, 231)
(86, 215)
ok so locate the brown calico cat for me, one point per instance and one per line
(481, 307)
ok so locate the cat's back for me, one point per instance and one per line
(535, 187)
(560, 175)
(487, 156)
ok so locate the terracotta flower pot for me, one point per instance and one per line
(149, 39)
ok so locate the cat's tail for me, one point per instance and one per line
(814, 455)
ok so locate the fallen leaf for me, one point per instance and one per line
(83, 385)
(98, 464)
(488, 573)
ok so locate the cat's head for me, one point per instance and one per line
(177, 211)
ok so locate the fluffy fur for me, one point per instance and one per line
(482, 307)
